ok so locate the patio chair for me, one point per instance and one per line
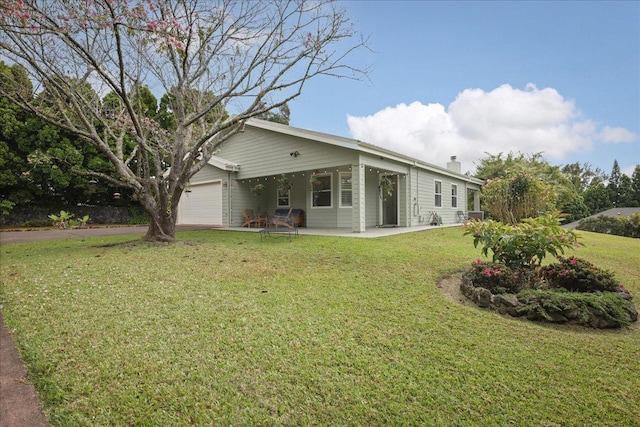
(262, 220)
(462, 217)
(249, 220)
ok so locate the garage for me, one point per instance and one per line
(201, 204)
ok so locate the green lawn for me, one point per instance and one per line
(229, 330)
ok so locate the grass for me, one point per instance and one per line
(228, 330)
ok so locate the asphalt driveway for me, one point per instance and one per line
(7, 237)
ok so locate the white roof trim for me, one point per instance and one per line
(223, 164)
(357, 145)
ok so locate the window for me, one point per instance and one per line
(321, 191)
(438, 194)
(346, 193)
(283, 198)
(454, 196)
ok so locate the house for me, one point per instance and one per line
(333, 182)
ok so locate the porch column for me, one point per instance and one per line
(476, 200)
(358, 207)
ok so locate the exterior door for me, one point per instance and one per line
(390, 204)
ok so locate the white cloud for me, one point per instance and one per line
(478, 122)
(616, 135)
(415, 129)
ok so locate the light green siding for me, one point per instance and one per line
(264, 153)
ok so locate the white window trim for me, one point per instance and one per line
(330, 175)
(340, 189)
(454, 196)
(437, 194)
(288, 205)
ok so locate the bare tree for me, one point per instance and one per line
(221, 62)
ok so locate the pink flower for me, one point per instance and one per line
(487, 272)
(573, 261)
(478, 261)
(550, 272)
(515, 277)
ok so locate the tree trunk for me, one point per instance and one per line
(163, 230)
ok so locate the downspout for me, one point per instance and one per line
(466, 201)
(416, 202)
(229, 198)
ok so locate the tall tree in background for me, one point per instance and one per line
(584, 175)
(613, 187)
(241, 57)
(36, 158)
(625, 192)
(635, 185)
(597, 198)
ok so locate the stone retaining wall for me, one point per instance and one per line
(519, 306)
(97, 214)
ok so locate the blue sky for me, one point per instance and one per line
(465, 78)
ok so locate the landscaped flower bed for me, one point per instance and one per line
(537, 301)
(571, 290)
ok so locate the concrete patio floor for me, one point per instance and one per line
(371, 232)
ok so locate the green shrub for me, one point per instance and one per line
(67, 220)
(578, 275)
(631, 225)
(517, 196)
(62, 220)
(623, 226)
(6, 206)
(601, 224)
(137, 215)
(38, 223)
(522, 245)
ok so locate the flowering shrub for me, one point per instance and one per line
(522, 245)
(500, 279)
(578, 275)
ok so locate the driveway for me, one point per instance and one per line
(75, 233)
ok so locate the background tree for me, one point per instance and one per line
(635, 185)
(38, 158)
(597, 199)
(583, 176)
(281, 116)
(244, 57)
(614, 184)
(13, 166)
(26, 144)
(625, 192)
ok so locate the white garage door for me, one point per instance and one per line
(201, 205)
